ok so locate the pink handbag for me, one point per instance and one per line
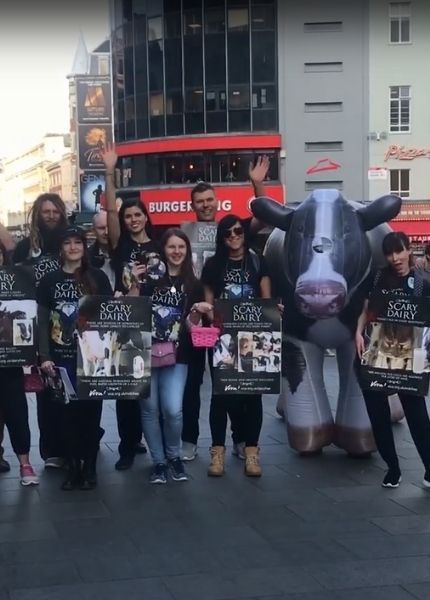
(34, 381)
(163, 354)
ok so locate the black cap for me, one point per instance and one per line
(73, 231)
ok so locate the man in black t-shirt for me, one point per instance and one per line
(205, 206)
(40, 251)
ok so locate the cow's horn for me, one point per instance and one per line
(379, 211)
(270, 212)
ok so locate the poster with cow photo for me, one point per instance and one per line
(18, 316)
(247, 355)
(114, 348)
(202, 237)
(397, 345)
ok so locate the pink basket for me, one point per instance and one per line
(204, 337)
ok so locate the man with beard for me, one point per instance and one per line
(40, 251)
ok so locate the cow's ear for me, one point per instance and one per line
(271, 212)
(380, 211)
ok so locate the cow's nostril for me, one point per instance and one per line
(323, 245)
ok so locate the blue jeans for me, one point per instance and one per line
(163, 436)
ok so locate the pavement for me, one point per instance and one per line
(310, 529)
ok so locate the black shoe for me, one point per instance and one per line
(392, 479)
(158, 474)
(125, 462)
(74, 476)
(426, 480)
(141, 448)
(4, 466)
(89, 475)
(177, 470)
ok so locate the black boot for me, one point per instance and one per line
(74, 475)
(89, 474)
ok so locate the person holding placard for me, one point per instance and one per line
(47, 219)
(177, 299)
(401, 279)
(235, 272)
(14, 411)
(58, 296)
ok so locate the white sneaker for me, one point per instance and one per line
(54, 462)
(28, 476)
(189, 451)
(239, 450)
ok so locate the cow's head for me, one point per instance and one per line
(327, 253)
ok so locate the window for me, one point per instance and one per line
(399, 182)
(400, 108)
(400, 22)
(323, 106)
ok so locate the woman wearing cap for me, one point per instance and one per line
(58, 296)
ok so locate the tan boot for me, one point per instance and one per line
(216, 468)
(252, 462)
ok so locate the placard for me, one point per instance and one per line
(202, 237)
(114, 348)
(397, 345)
(18, 317)
(247, 356)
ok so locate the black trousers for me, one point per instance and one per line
(81, 427)
(50, 417)
(14, 410)
(129, 423)
(418, 421)
(191, 400)
(246, 417)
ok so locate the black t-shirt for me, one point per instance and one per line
(128, 252)
(387, 281)
(43, 263)
(170, 306)
(239, 279)
(58, 294)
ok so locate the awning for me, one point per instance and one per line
(418, 231)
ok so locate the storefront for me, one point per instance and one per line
(414, 220)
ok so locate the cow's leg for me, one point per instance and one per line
(353, 431)
(305, 403)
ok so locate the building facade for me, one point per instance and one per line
(25, 176)
(195, 92)
(399, 109)
(333, 91)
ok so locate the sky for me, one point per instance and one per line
(38, 39)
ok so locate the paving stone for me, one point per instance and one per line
(367, 573)
(241, 584)
(373, 593)
(419, 590)
(33, 530)
(38, 575)
(387, 546)
(408, 524)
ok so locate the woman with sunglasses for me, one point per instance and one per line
(235, 272)
(14, 411)
(176, 298)
(58, 297)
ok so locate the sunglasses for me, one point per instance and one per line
(235, 231)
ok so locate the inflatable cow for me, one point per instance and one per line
(319, 255)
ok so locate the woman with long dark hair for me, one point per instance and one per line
(177, 298)
(402, 279)
(14, 411)
(58, 296)
(235, 272)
